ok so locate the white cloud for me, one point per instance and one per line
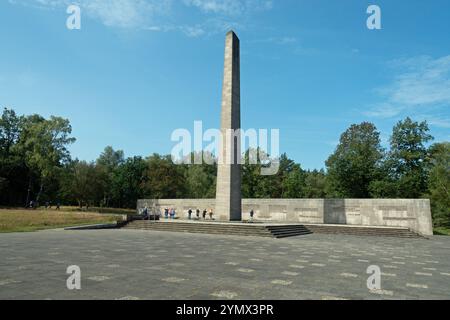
(437, 121)
(193, 31)
(155, 15)
(112, 13)
(426, 81)
(421, 84)
(277, 40)
(230, 7)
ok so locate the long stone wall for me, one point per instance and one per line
(414, 214)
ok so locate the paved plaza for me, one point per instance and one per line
(127, 264)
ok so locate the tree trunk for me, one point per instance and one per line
(39, 193)
(28, 193)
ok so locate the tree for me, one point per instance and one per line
(81, 186)
(10, 126)
(439, 183)
(294, 182)
(315, 184)
(408, 156)
(43, 144)
(128, 182)
(108, 161)
(251, 171)
(355, 163)
(163, 178)
(200, 182)
(13, 172)
(111, 158)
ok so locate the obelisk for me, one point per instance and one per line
(228, 192)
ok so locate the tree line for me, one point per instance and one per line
(35, 165)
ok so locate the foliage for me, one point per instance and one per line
(35, 164)
(355, 164)
(439, 183)
(408, 156)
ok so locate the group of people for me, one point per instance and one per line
(170, 213)
(48, 205)
(204, 213)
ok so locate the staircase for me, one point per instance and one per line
(266, 230)
(363, 231)
(237, 229)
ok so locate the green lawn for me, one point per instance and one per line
(34, 220)
(442, 231)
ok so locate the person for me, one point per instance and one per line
(198, 214)
(210, 214)
(190, 213)
(166, 213)
(173, 213)
(145, 213)
(58, 206)
(204, 214)
(252, 213)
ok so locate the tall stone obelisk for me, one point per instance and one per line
(228, 193)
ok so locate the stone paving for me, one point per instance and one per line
(128, 264)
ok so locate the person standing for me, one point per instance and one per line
(252, 213)
(190, 213)
(166, 213)
(210, 214)
(198, 214)
(145, 213)
(204, 214)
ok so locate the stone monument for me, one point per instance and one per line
(228, 194)
(386, 215)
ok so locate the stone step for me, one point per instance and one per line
(276, 231)
(205, 231)
(195, 228)
(209, 232)
(364, 231)
(281, 231)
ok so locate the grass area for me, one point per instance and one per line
(96, 210)
(442, 231)
(17, 220)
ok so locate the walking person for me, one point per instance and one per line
(190, 213)
(198, 214)
(252, 213)
(204, 214)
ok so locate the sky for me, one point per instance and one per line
(139, 69)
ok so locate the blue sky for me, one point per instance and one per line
(139, 69)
